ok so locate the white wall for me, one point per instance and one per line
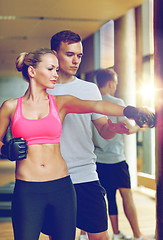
(12, 87)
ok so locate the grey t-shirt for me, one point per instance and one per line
(110, 150)
(76, 143)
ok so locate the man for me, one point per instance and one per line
(77, 147)
(111, 162)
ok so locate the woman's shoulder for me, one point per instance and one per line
(64, 101)
(11, 101)
(63, 98)
(9, 104)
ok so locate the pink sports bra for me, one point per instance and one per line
(46, 130)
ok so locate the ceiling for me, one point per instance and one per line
(29, 24)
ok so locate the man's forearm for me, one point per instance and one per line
(109, 130)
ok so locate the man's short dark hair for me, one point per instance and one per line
(105, 75)
(64, 36)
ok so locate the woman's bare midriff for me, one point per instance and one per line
(44, 162)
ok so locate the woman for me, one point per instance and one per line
(42, 181)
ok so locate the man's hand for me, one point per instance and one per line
(118, 127)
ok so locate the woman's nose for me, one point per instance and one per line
(55, 74)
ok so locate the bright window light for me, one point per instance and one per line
(7, 17)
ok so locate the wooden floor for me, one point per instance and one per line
(145, 206)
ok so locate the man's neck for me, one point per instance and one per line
(103, 92)
(65, 79)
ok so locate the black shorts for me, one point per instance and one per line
(33, 201)
(91, 207)
(114, 175)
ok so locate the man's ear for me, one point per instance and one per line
(55, 52)
(109, 83)
(31, 71)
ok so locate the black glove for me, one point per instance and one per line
(141, 116)
(15, 149)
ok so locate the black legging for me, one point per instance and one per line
(33, 200)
